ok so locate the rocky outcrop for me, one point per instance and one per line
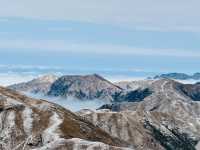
(40, 85)
(84, 88)
(27, 123)
(132, 96)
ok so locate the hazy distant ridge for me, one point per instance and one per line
(179, 76)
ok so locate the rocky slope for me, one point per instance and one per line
(191, 90)
(147, 130)
(39, 85)
(84, 87)
(27, 123)
(167, 96)
(169, 117)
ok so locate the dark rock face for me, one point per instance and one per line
(175, 141)
(179, 76)
(191, 90)
(115, 107)
(132, 96)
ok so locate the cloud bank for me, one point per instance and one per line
(71, 103)
(150, 15)
(12, 78)
(65, 47)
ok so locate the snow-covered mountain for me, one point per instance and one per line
(88, 87)
(84, 87)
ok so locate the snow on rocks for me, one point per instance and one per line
(27, 120)
(50, 134)
(28, 123)
(80, 144)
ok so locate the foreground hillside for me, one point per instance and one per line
(168, 118)
(28, 123)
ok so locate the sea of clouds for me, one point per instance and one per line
(10, 78)
(13, 78)
(70, 103)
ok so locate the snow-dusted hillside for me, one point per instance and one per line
(27, 123)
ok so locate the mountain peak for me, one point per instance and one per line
(37, 85)
(47, 78)
(84, 87)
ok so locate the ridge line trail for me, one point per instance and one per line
(163, 89)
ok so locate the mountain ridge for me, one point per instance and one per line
(168, 118)
(179, 76)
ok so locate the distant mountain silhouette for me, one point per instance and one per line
(179, 76)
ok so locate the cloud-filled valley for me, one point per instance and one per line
(70, 103)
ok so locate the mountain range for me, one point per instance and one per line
(169, 118)
(87, 87)
(160, 114)
(179, 76)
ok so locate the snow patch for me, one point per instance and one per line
(8, 125)
(11, 101)
(27, 120)
(198, 146)
(11, 119)
(53, 145)
(50, 133)
(79, 143)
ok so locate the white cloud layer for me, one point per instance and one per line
(142, 14)
(71, 103)
(64, 47)
(11, 78)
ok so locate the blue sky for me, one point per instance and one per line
(102, 36)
